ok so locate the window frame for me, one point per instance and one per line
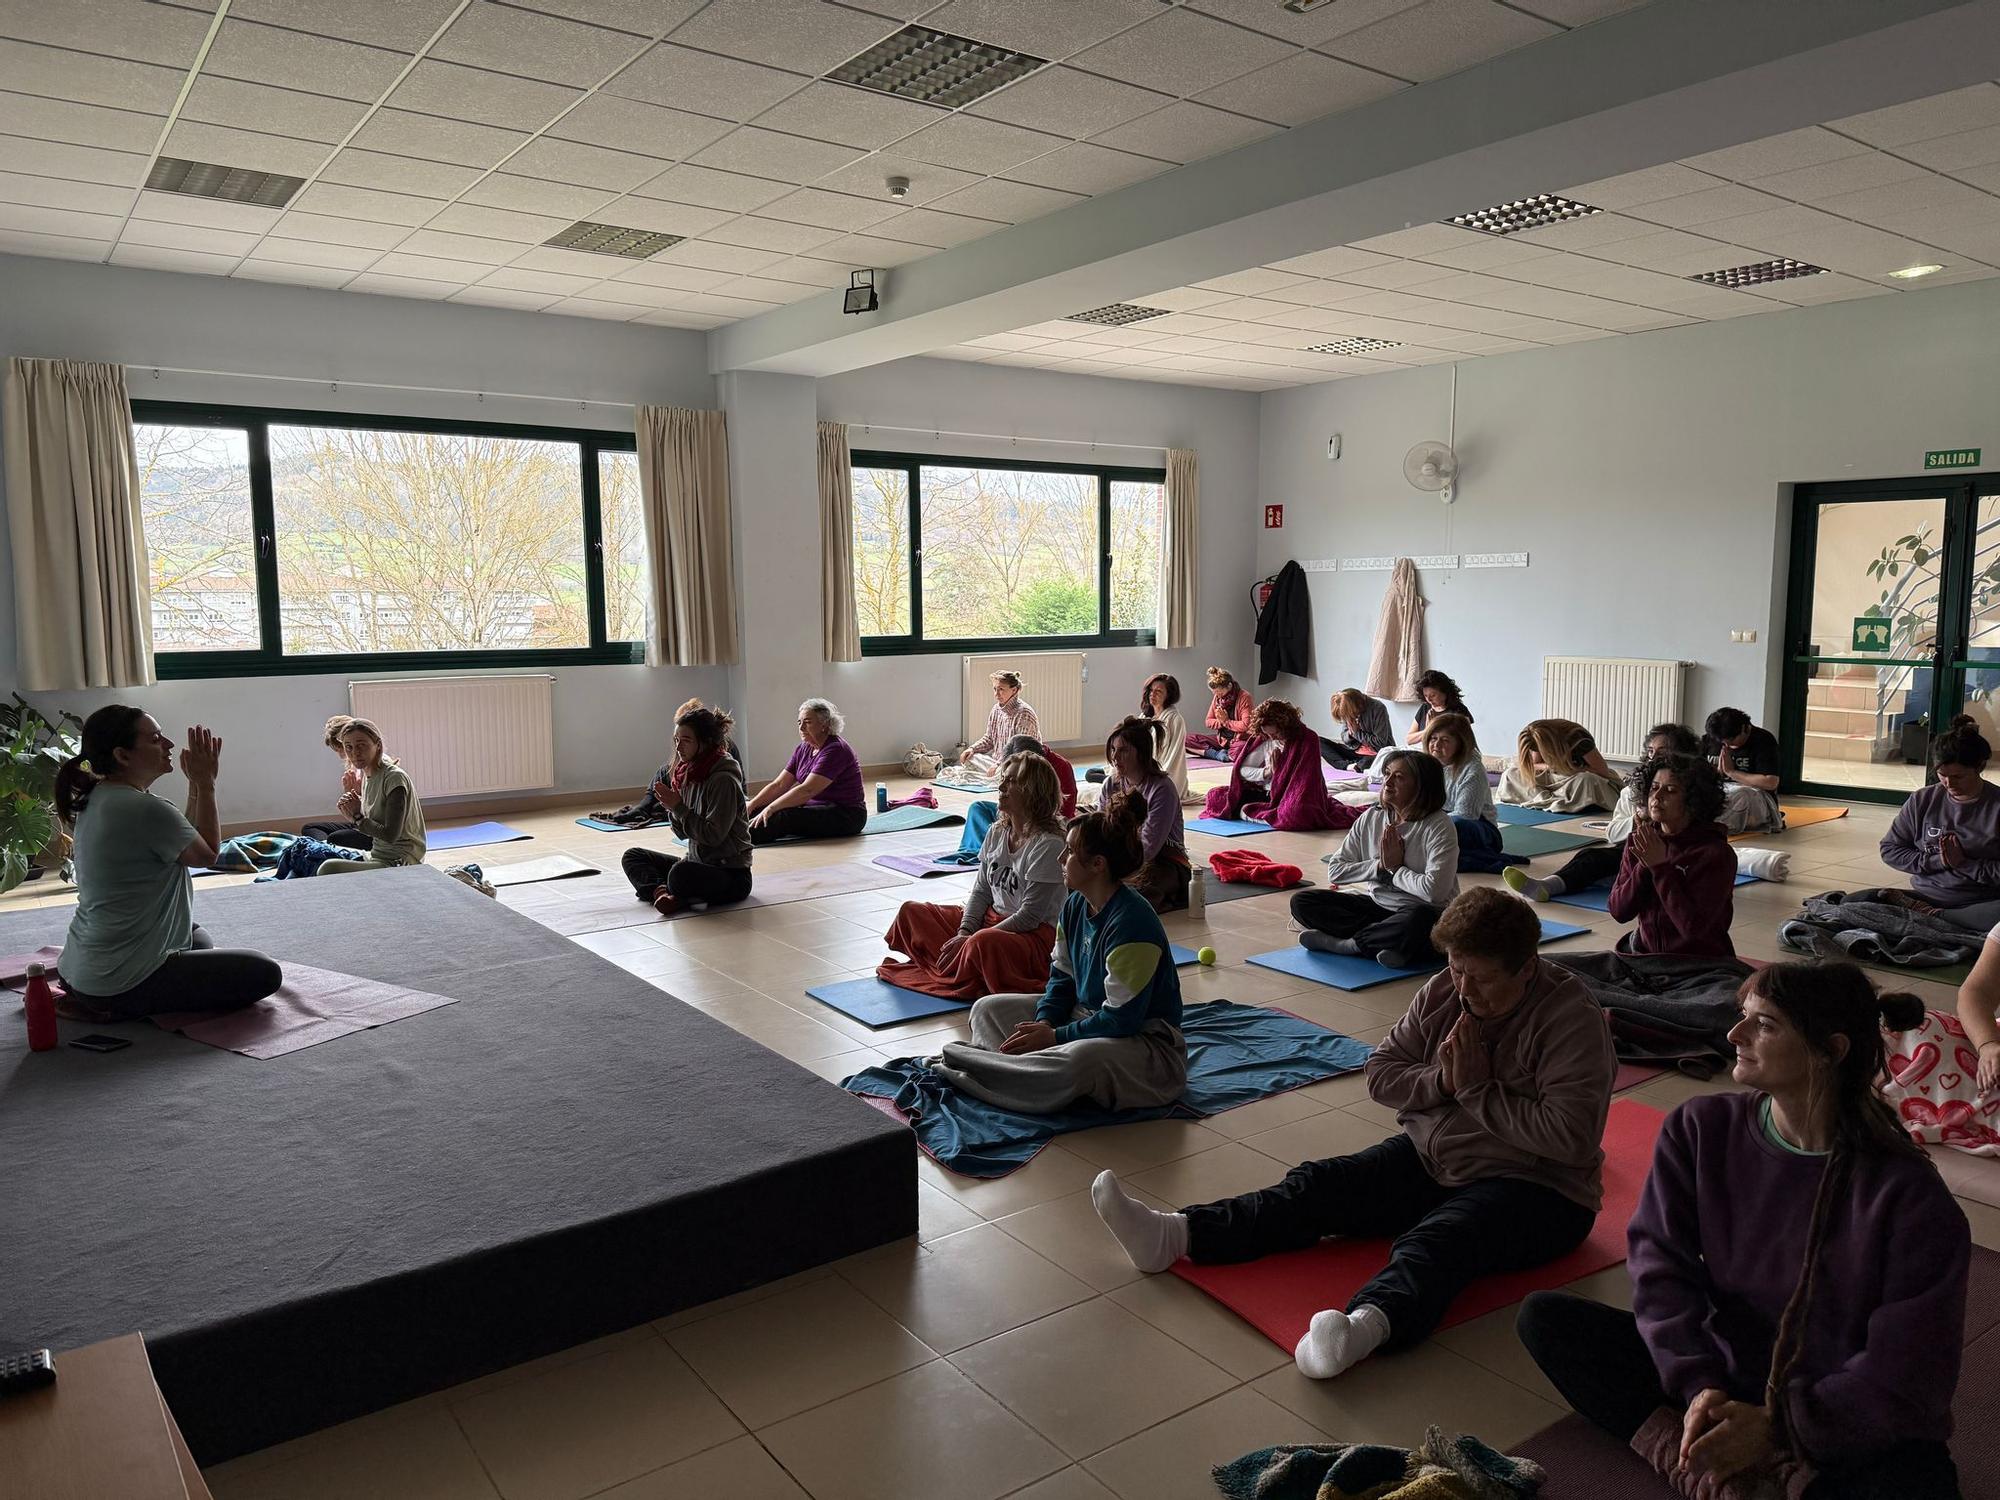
(914, 644)
(269, 658)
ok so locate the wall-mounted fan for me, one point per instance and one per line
(1432, 466)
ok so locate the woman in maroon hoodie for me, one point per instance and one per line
(1678, 879)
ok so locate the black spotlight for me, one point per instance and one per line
(860, 295)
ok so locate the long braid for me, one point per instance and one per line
(1789, 1345)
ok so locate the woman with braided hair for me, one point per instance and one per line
(1798, 1272)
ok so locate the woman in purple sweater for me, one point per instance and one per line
(1798, 1268)
(1946, 838)
(819, 793)
(1164, 877)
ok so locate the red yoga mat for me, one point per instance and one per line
(1279, 1294)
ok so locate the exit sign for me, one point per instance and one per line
(1274, 517)
(1951, 458)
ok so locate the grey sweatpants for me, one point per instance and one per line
(1130, 1072)
(1747, 810)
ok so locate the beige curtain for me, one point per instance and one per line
(840, 625)
(1179, 570)
(684, 475)
(82, 600)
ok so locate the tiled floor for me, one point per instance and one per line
(1009, 1349)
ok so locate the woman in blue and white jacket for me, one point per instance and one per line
(1107, 1028)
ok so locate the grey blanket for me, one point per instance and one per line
(1665, 1009)
(1860, 925)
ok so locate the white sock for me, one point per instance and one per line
(1151, 1240)
(1336, 1341)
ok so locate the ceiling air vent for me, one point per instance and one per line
(612, 239)
(1761, 272)
(1353, 346)
(207, 179)
(934, 67)
(1117, 314)
(1523, 213)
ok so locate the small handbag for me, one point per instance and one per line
(922, 762)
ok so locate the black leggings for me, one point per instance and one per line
(1594, 1356)
(685, 880)
(1334, 753)
(810, 823)
(1589, 867)
(199, 977)
(1349, 914)
(344, 834)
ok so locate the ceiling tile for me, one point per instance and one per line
(1771, 232)
(642, 17)
(508, 40)
(975, 145)
(865, 250)
(667, 277)
(49, 192)
(204, 213)
(1307, 30)
(1850, 174)
(87, 79)
(1649, 185)
(482, 295)
(79, 124)
(591, 307)
(628, 124)
(472, 248)
(402, 25)
(129, 29)
(1181, 52)
(1885, 207)
(155, 258)
(521, 278)
(674, 317)
(851, 116)
(366, 203)
(1729, 201)
(500, 223)
(868, 177)
(712, 189)
(1586, 234)
(1337, 261)
(766, 153)
(246, 148)
(572, 263)
(428, 138)
(61, 221)
(330, 230)
(1068, 101)
(1577, 12)
(830, 210)
(1440, 37)
(808, 271)
(1925, 119)
(1007, 202)
(231, 242)
(349, 258)
(712, 257)
(1778, 153)
(456, 92)
(1950, 153)
(403, 286)
(1397, 275)
(398, 174)
(1255, 282)
(1420, 239)
(574, 163)
(429, 267)
(806, 36)
(724, 87)
(923, 226)
(770, 234)
(1249, 309)
(1487, 252)
(1041, 28)
(1303, 87)
(292, 274)
(684, 219)
(1183, 299)
(640, 293)
(1678, 253)
(1086, 168)
(294, 60)
(255, 106)
(1186, 132)
(533, 195)
(760, 289)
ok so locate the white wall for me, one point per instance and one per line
(1647, 476)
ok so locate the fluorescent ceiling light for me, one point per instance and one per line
(612, 239)
(1760, 273)
(1911, 273)
(934, 67)
(1353, 346)
(1300, 7)
(1523, 213)
(207, 179)
(1117, 314)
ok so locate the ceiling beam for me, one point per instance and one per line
(1675, 78)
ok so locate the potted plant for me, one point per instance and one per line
(32, 750)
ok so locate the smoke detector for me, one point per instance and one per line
(899, 188)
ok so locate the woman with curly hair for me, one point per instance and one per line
(1157, 702)
(1678, 880)
(1228, 717)
(1600, 863)
(1436, 694)
(1557, 766)
(1365, 731)
(1276, 778)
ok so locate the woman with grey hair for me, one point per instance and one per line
(819, 794)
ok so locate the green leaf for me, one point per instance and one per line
(13, 869)
(1895, 570)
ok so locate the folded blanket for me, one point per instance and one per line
(1258, 869)
(1457, 1468)
(1861, 925)
(923, 796)
(1933, 1086)
(1765, 864)
(251, 852)
(1669, 1010)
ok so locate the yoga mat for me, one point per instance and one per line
(1805, 817)
(876, 1002)
(1339, 775)
(1214, 888)
(529, 871)
(312, 1006)
(605, 910)
(1227, 828)
(1598, 897)
(1355, 973)
(1237, 1054)
(14, 967)
(923, 866)
(1529, 817)
(974, 788)
(1529, 841)
(1953, 974)
(900, 819)
(605, 827)
(1632, 1075)
(1279, 1294)
(476, 833)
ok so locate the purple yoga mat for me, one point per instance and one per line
(920, 865)
(14, 967)
(313, 1006)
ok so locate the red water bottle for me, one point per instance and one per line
(41, 1008)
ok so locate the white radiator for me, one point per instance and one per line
(462, 735)
(1617, 698)
(1051, 681)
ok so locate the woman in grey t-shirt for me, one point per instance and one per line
(133, 947)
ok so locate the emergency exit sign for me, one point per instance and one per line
(1951, 458)
(1274, 517)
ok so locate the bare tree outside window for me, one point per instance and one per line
(194, 503)
(1138, 539)
(622, 527)
(882, 551)
(1008, 552)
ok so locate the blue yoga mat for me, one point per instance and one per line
(876, 1002)
(1227, 828)
(1532, 817)
(1345, 973)
(1237, 1054)
(1598, 897)
(605, 827)
(477, 833)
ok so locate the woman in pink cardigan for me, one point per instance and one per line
(1228, 715)
(1276, 778)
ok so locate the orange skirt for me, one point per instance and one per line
(989, 962)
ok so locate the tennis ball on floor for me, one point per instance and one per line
(1206, 955)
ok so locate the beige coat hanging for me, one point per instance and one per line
(1398, 658)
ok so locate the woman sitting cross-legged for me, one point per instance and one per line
(1468, 795)
(1500, 1074)
(998, 942)
(1746, 758)
(1365, 731)
(385, 806)
(1600, 863)
(1009, 716)
(1158, 701)
(979, 815)
(1798, 1272)
(819, 794)
(1678, 880)
(1276, 777)
(1163, 872)
(1436, 694)
(647, 809)
(1228, 715)
(342, 833)
(1557, 766)
(1107, 1027)
(1401, 864)
(702, 797)
(1946, 837)
(134, 948)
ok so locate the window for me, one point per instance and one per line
(309, 542)
(958, 554)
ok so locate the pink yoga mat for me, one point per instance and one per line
(1631, 1075)
(14, 967)
(1279, 1294)
(313, 1006)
